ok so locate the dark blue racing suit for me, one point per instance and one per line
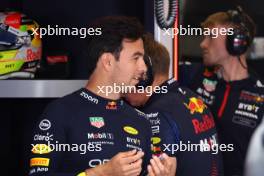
(238, 107)
(85, 130)
(179, 118)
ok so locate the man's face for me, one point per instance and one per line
(130, 67)
(214, 49)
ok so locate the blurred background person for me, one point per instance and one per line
(234, 94)
(177, 115)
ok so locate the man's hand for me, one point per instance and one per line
(162, 167)
(122, 164)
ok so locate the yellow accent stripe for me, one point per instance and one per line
(39, 162)
(82, 174)
(4, 55)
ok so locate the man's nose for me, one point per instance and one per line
(142, 65)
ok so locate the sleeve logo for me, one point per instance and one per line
(130, 130)
(44, 124)
(97, 122)
(39, 162)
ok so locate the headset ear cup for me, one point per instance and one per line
(149, 74)
(238, 43)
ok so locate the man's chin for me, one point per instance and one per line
(208, 64)
(134, 82)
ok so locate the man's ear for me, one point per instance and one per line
(107, 61)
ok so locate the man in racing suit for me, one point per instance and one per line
(178, 118)
(234, 95)
(91, 131)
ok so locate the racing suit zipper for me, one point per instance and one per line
(223, 105)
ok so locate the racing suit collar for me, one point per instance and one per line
(101, 101)
(171, 85)
(238, 84)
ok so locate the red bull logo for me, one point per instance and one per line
(207, 73)
(195, 105)
(203, 125)
(156, 149)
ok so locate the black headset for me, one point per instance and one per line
(149, 77)
(238, 43)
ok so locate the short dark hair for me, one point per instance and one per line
(114, 29)
(158, 54)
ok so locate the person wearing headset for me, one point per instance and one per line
(234, 94)
(178, 118)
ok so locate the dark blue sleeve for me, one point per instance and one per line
(170, 134)
(148, 153)
(50, 129)
(165, 132)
